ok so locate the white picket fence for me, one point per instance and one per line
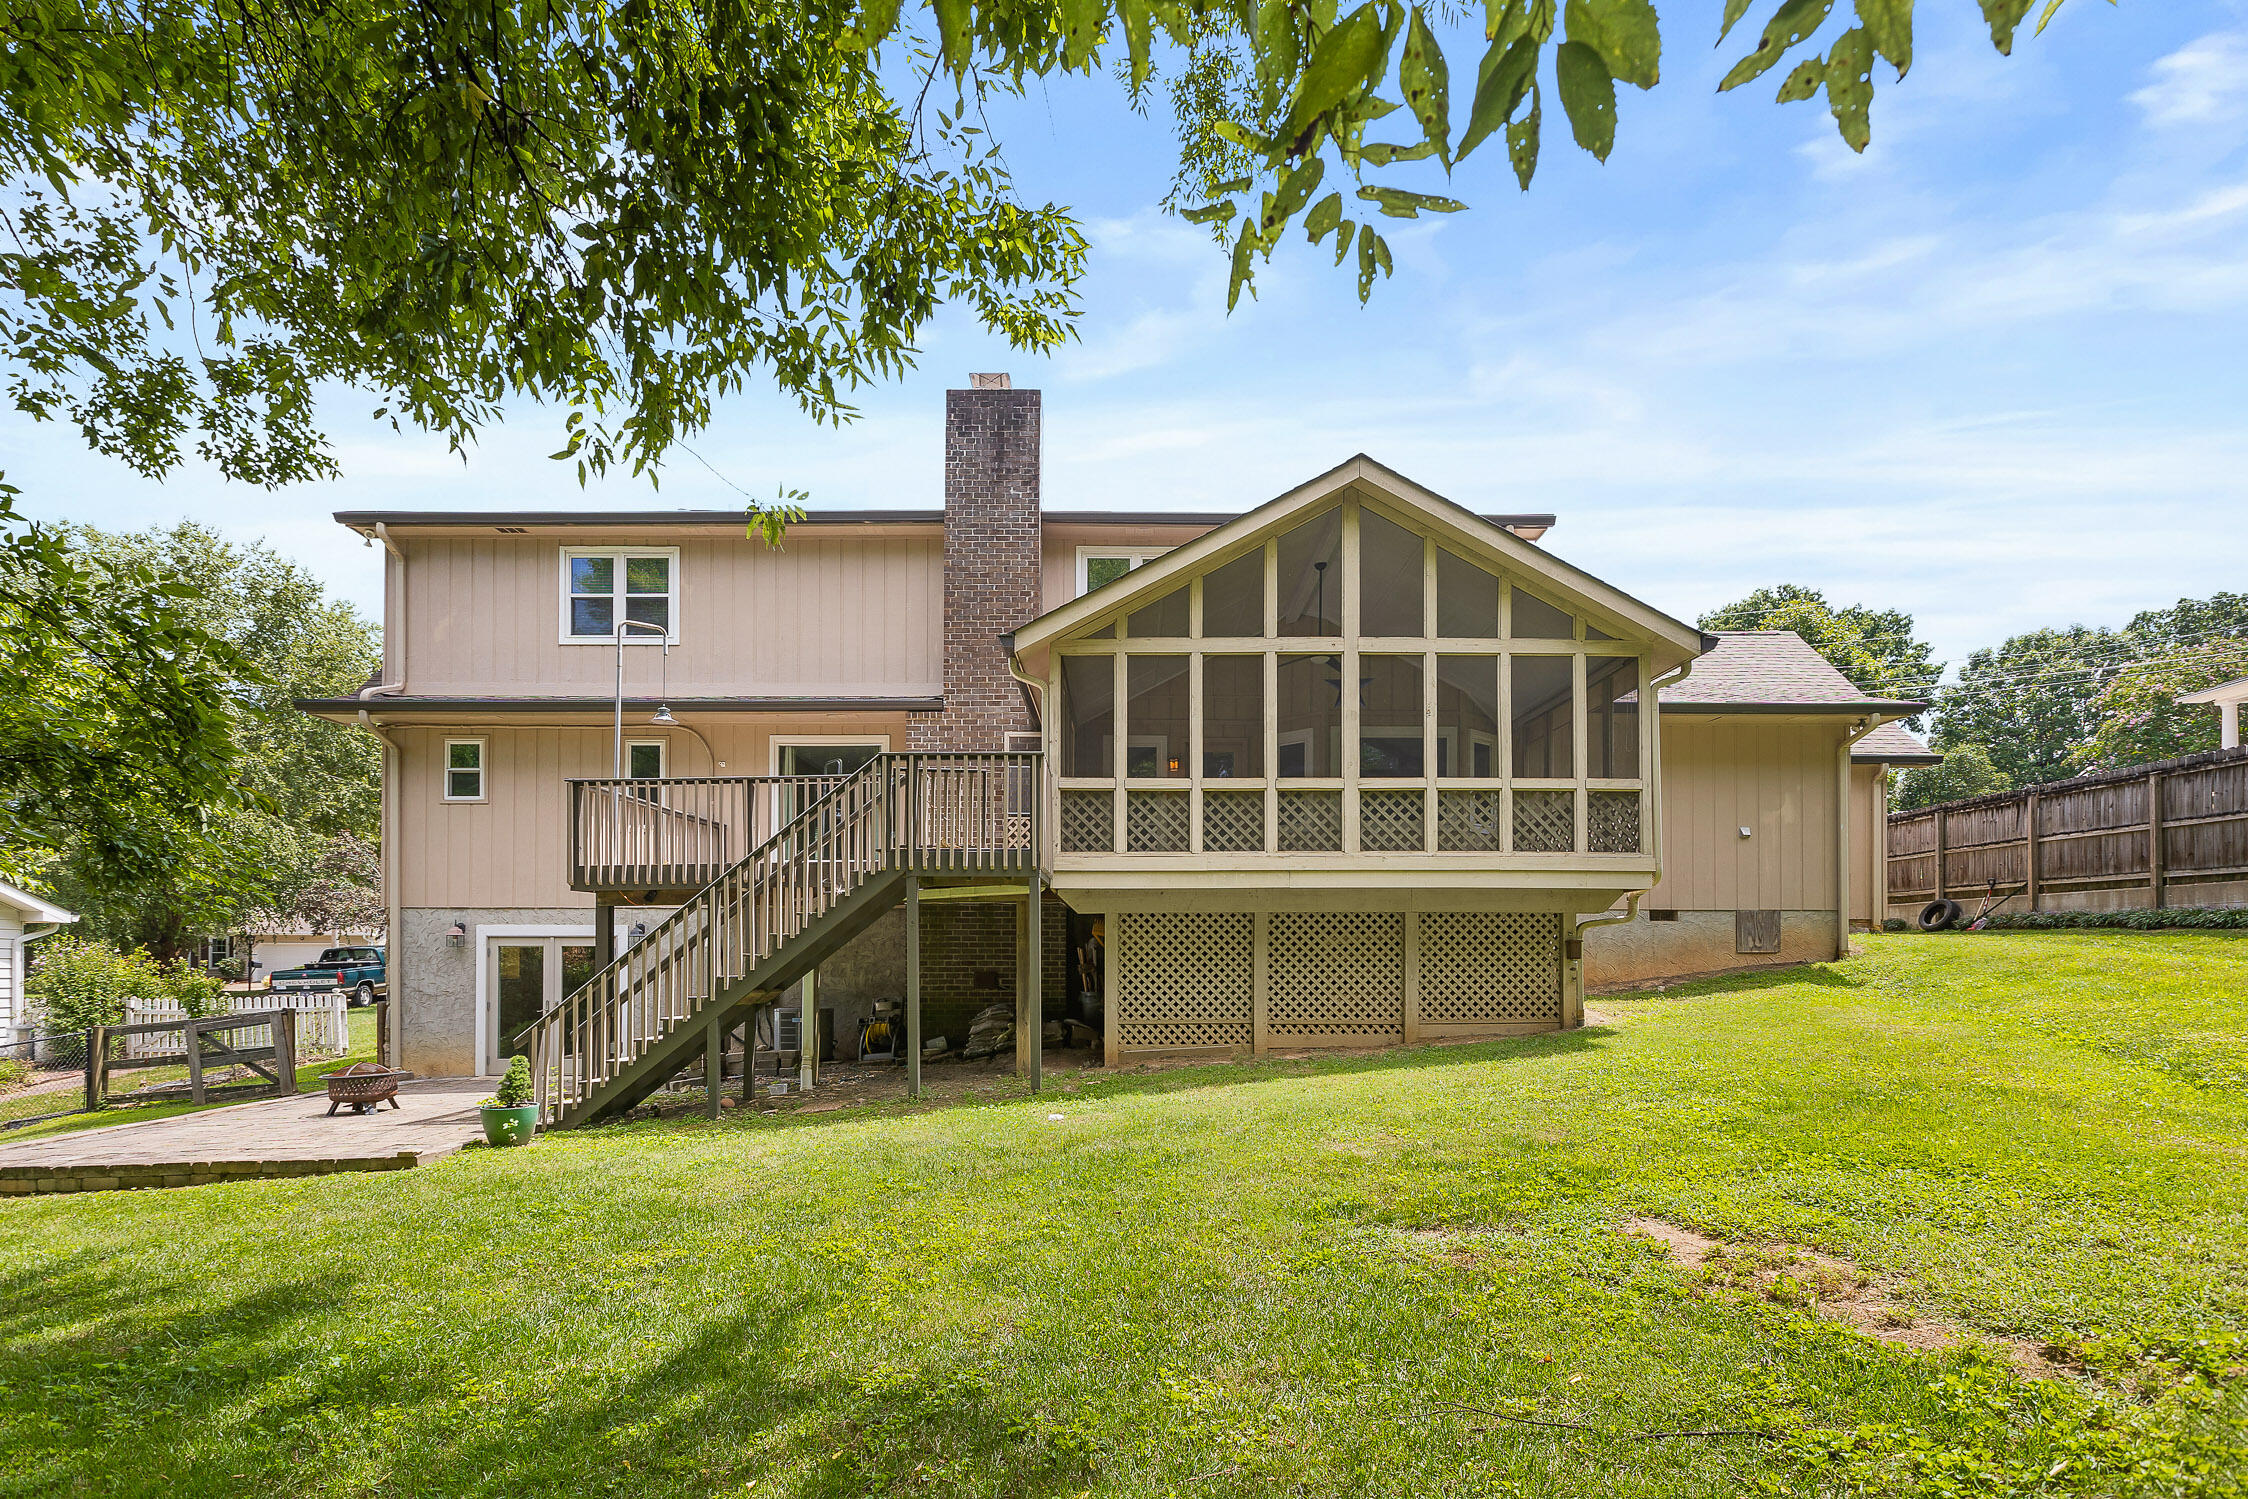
(323, 1025)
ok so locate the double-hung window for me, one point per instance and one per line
(464, 770)
(603, 587)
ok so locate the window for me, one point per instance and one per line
(602, 586)
(1155, 716)
(643, 759)
(1088, 716)
(1612, 700)
(1389, 713)
(1467, 714)
(1309, 716)
(1097, 567)
(1544, 728)
(1232, 717)
(464, 770)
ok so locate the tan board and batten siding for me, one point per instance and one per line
(1773, 776)
(826, 616)
(513, 847)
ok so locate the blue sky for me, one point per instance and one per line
(1990, 372)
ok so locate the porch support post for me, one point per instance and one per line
(1030, 990)
(808, 1034)
(913, 986)
(714, 1063)
(1572, 973)
(604, 933)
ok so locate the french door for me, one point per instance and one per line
(528, 976)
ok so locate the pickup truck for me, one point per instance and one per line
(358, 969)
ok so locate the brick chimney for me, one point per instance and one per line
(991, 561)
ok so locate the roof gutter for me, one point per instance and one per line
(1034, 691)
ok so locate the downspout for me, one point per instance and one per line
(393, 761)
(390, 635)
(1850, 738)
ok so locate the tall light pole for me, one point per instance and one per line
(663, 712)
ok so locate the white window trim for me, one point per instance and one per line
(1140, 556)
(483, 768)
(663, 757)
(633, 637)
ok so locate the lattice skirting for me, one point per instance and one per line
(1182, 980)
(1336, 976)
(1489, 967)
(1088, 822)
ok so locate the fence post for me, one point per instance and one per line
(2029, 850)
(191, 1032)
(1943, 828)
(284, 1051)
(382, 1033)
(97, 1079)
(2154, 840)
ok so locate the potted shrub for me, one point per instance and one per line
(510, 1117)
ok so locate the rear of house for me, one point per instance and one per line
(1354, 766)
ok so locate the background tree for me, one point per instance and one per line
(1875, 649)
(295, 784)
(2140, 718)
(216, 206)
(2028, 703)
(1965, 771)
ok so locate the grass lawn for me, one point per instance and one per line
(362, 1035)
(1272, 1279)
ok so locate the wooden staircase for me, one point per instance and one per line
(775, 916)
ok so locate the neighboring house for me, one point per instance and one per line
(2226, 698)
(1352, 767)
(276, 946)
(24, 919)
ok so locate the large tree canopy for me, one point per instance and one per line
(627, 209)
(1874, 648)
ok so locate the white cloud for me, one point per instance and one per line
(2202, 82)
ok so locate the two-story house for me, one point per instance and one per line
(1356, 766)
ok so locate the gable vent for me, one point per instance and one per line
(513, 530)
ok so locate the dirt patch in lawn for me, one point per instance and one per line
(1826, 1284)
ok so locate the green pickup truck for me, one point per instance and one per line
(357, 969)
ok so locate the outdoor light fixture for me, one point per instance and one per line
(456, 935)
(663, 715)
(639, 930)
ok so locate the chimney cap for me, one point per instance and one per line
(996, 380)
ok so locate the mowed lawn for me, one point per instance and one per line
(1279, 1279)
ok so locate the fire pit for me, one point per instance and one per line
(363, 1085)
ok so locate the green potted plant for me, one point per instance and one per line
(510, 1117)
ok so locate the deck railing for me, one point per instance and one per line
(676, 834)
(954, 815)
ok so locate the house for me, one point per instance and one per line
(24, 919)
(2226, 698)
(1357, 765)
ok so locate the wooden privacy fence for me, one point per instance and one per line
(2171, 834)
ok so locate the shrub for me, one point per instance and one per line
(76, 982)
(2193, 918)
(514, 1090)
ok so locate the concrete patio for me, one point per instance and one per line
(272, 1137)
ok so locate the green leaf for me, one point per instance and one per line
(1241, 135)
(1504, 20)
(1796, 20)
(1294, 193)
(1849, 86)
(2004, 16)
(1888, 24)
(1400, 204)
(1804, 81)
(1243, 248)
(1324, 216)
(1382, 153)
(1496, 97)
(1139, 37)
(877, 19)
(1339, 64)
(1279, 48)
(1626, 35)
(1588, 96)
(1081, 30)
(1342, 240)
(1231, 185)
(1427, 83)
(1734, 10)
(2051, 7)
(1208, 213)
(1373, 254)
(1522, 140)
(952, 32)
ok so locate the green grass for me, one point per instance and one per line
(362, 1036)
(1271, 1279)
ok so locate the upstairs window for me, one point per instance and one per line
(602, 586)
(1097, 567)
(464, 770)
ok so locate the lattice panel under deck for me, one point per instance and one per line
(1545, 822)
(1088, 822)
(1233, 822)
(1156, 822)
(1489, 967)
(1467, 821)
(1337, 975)
(1389, 821)
(1311, 821)
(1182, 980)
(1612, 822)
